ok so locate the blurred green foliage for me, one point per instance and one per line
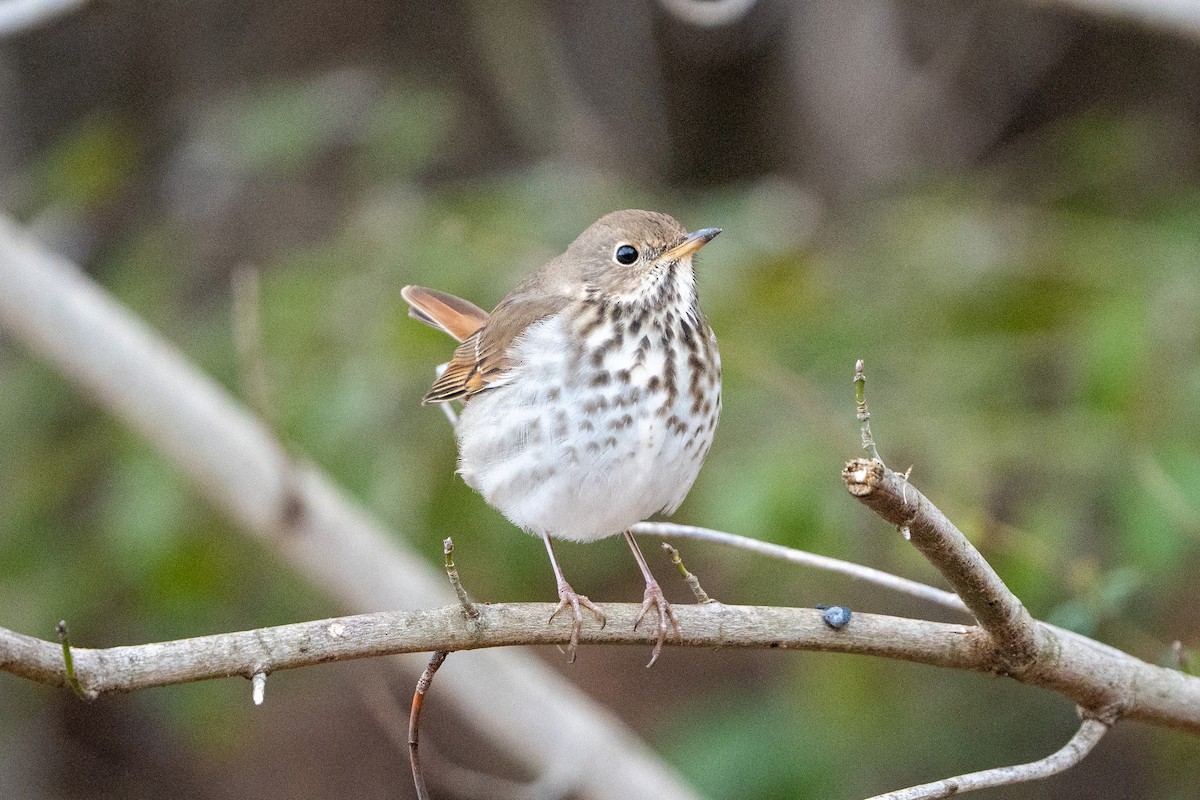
(1032, 348)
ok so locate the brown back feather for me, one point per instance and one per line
(483, 359)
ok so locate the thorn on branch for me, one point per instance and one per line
(452, 572)
(692, 581)
(258, 689)
(68, 661)
(414, 720)
(1182, 662)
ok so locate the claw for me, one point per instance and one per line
(654, 597)
(569, 598)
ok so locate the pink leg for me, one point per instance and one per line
(568, 597)
(653, 597)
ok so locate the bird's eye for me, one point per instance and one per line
(626, 254)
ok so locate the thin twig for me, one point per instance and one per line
(452, 573)
(887, 580)
(455, 780)
(864, 416)
(414, 720)
(1074, 751)
(692, 581)
(64, 638)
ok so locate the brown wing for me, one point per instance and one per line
(482, 359)
(449, 314)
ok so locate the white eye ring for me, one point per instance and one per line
(625, 254)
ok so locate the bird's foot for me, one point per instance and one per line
(569, 598)
(654, 597)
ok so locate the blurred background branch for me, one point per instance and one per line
(1178, 16)
(18, 16)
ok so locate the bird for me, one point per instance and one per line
(590, 394)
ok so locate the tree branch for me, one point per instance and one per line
(1101, 679)
(244, 653)
(997, 609)
(1120, 685)
(1074, 751)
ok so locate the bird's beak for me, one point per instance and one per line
(691, 244)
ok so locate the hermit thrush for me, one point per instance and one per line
(590, 394)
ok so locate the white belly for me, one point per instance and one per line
(559, 455)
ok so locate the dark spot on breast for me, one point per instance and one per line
(639, 355)
(610, 441)
(603, 348)
(592, 324)
(553, 393)
(586, 425)
(600, 379)
(597, 404)
(669, 375)
(624, 422)
(623, 376)
(635, 325)
(628, 398)
(654, 384)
